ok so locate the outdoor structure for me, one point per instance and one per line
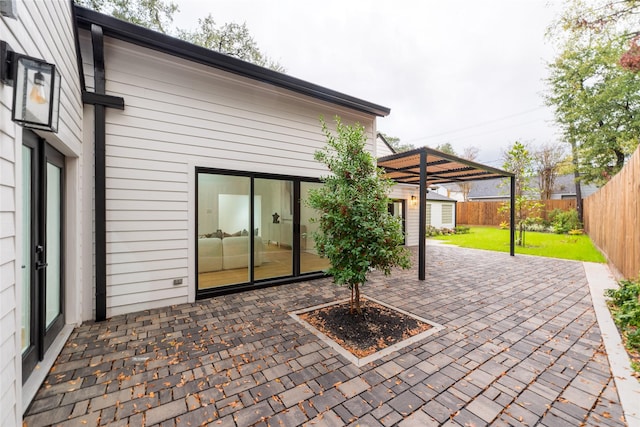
(441, 210)
(427, 167)
(173, 173)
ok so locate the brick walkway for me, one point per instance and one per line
(521, 347)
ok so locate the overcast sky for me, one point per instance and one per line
(466, 72)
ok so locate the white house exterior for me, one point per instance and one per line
(188, 136)
(22, 154)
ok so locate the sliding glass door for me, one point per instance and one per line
(252, 228)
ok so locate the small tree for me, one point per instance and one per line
(519, 161)
(356, 231)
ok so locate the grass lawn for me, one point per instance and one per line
(564, 246)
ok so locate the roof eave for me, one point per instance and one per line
(145, 37)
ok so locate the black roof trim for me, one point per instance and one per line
(145, 37)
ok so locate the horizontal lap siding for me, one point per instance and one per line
(42, 30)
(179, 115)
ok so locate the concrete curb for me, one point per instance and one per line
(600, 279)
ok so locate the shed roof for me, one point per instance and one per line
(437, 197)
(441, 168)
(145, 37)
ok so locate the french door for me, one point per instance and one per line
(42, 250)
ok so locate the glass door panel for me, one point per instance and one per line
(42, 249)
(310, 261)
(27, 239)
(223, 230)
(273, 228)
(54, 244)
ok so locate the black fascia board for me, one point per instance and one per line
(145, 37)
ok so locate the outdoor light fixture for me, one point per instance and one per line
(414, 201)
(36, 95)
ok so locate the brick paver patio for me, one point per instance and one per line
(521, 347)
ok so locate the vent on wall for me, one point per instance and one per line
(8, 8)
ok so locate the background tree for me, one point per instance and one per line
(231, 39)
(446, 148)
(596, 105)
(356, 232)
(469, 153)
(154, 14)
(519, 161)
(547, 159)
(396, 144)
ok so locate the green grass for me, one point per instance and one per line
(563, 246)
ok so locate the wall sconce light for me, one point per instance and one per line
(36, 95)
(413, 202)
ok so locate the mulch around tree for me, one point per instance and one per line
(376, 328)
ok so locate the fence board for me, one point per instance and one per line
(612, 218)
(486, 213)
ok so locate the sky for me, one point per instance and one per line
(467, 72)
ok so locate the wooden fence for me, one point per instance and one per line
(612, 218)
(486, 213)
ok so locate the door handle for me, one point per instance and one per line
(40, 265)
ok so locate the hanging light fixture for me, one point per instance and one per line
(36, 95)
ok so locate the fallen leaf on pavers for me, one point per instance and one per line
(606, 414)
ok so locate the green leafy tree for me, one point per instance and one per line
(356, 232)
(519, 161)
(154, 14)
(231, 38)
(446, 148)
(597, 106)
(396, 144)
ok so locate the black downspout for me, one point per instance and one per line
(422, 227)
(513, 217)
(97, 41)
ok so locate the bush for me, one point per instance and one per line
(625, 307)
(541, 228)
(461, 229)
(564, 221)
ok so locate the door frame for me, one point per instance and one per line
(41, 337)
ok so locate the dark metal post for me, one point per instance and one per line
(513, 216)
(423, 217)
(100, 176)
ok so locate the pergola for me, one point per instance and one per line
(426, 167)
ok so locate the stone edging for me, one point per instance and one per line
(600, 278)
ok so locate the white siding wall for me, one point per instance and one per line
(53, 42)
(382, 149)
(437, 217)
(179, 115)
(404, 191)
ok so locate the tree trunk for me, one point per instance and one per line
(576, 174)
(357, 308)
